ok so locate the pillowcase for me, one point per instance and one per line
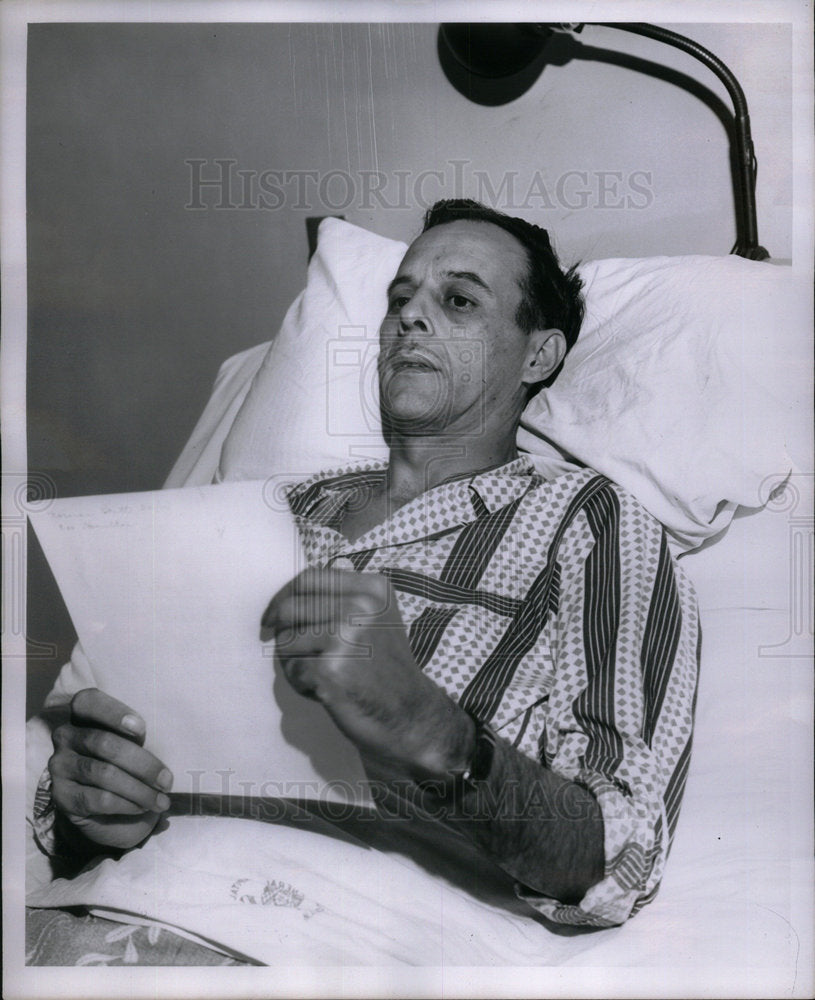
(685, 384)
(314, 403)
(688, 386)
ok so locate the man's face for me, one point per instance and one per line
(451, 353)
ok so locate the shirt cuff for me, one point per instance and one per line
(44, 818)
(634, 853)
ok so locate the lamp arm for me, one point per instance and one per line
(747, 244)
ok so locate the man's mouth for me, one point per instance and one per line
(411, 362)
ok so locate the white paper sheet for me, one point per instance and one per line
(166, 591)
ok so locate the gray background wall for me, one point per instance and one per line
(135, 298)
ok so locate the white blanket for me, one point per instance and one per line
(734, 914)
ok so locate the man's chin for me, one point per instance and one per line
(410, 426)
(415, 396)
(413, 421)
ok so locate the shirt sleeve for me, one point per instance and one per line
(620, 714)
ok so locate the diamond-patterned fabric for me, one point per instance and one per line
(553, 610)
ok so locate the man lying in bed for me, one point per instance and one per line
(523, 649)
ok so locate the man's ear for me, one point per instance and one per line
(545, 351)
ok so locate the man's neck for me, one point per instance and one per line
(418, 464)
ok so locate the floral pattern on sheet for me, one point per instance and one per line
(274, 893)
(65, 938)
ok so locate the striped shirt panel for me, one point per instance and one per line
(553, 610)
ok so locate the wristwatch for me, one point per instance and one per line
(459, 782)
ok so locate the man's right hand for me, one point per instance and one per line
(103, 780)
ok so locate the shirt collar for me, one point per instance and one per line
(452, 503)
(501, 485)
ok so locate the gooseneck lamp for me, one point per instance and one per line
(511, 56)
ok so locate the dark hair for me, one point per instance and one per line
(551, 297)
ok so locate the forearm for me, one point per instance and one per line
(544, 830)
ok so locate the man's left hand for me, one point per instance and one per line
(340, 640)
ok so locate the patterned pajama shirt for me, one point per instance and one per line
(552, 610)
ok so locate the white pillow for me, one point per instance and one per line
(682, 386)
(314, 403)
(685, 385)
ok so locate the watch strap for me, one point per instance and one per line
(457, 783)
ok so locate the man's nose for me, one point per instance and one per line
(413, 317)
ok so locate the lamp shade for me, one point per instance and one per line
(494, 50)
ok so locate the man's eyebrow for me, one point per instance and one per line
(406, 279)
(470, 276)
(400, 279)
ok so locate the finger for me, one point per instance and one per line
(326, 585)
(297, 584)
(77, 769)
(335, 641)
(341, 602)
(345, 582)
(311, 596)
(81, 801)
(117, 750)
(303, 611)
(290, 642)
(300, 673)
(93, 707)
(317, 578)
